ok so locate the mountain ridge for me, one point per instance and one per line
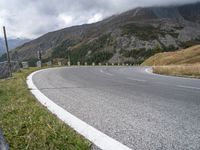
(12, 43)
(142, 29)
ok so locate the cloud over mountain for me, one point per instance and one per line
(32, 18)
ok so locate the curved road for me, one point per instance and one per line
(139, 109)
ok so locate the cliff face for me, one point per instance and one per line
(128, 37)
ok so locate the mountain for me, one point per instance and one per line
(129, 37)
(12, 43)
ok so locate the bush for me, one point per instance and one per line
(80, 53)
(169, 48)
(60, 51)
(141, 54)
(190, 43)
(100, 57)
(3, 57)
(145, 32)
(32, 62)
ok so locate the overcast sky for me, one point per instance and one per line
(32, 18)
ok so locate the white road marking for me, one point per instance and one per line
(100, 139)
(148, 70)
(106, 72)
(139, 80)
(188, 87)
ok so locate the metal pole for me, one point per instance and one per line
(8, 55)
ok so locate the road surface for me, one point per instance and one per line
(137, 108)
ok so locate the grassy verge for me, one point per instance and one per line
(28, 125)
(179, 70)
(190, 55)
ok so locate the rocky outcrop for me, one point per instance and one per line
(4, 68)
(3, 144)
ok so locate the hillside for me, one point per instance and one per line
(186, 56)
(130, 37)
(13, 43)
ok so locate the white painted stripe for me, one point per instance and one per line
(188, 87)
(134, 79)
(148, 70)
(109, 74)
(101, 70)
(100, 139)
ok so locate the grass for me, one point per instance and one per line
(26, 124)
(187, 56)
(184, 62)
(179, 70)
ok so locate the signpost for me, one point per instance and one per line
(39, 63)
(8, 55)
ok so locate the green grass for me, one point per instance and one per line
(26, 124)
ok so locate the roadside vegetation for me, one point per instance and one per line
(26, 124)
(93, 51)
(179, 70)
(180, 63)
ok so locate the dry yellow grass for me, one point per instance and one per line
(187, 56)
(192, 70)
(179, 63)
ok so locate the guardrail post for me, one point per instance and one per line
(59, 63)
(25, 65)
(69, 63)
(39, 64)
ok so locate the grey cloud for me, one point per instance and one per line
(32, 18)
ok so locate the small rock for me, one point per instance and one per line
(3, 144)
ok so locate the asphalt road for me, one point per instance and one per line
(139, 109)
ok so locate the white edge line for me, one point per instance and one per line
(106, 72)
(188, 87)
(100, 139)
(150, 71)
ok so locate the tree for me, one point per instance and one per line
(157, 49)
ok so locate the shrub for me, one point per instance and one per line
(100, 57)
(146, 32)
(3, 57)
(60, 51)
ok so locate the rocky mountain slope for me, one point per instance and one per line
(130, 37)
